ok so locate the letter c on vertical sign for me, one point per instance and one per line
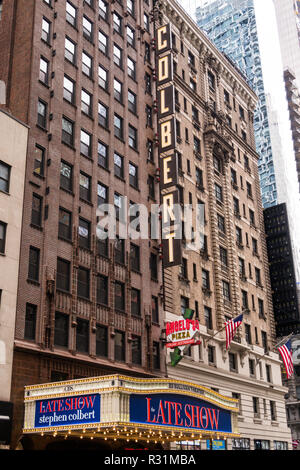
(163, 38)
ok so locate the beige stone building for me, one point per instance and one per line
(13, 147)
(217, 166)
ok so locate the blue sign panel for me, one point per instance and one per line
(80, 409)
(178, 411)
(216, 444)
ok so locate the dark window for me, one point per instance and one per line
(4, 177)
(67, 131)
(136, 350)
(3, 227)
(132, 137)
(149, 118)
(211, 80)
(63, 275)
(184, 304)
(135, 302)
(66, 176)
(102, 194)
(252, 367)
(118, 165)
(36, 210)
(101, 341)
(131, 101)
(156, 355)
(61, 332)
(205, 279)
(34, 263)
(151, 186)
(226, 290)
(83, 283)
(232, 362)
(150, 151)
(102, 289)
(155, 311)
(84, 229)
(65, 224)
(134, 257)
(208, 318)
(118, 126)
(223, 256)
(30, 322)
(218, 192)
(153, 266)
(39, 159)
(120, 296)
(42, 114)
(255, 402)
(264, 341)
(244, 299)
(120, 346)
(211, 354)
(102, 243)
(82, 336)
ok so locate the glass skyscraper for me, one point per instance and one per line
(231, 25)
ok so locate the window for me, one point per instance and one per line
(4, 177)
(146, 22)
(87, 64)
(63, 275)
(197, 145)
(218, 192)
(83, 282)
(150, 150)
(223, 256)
(39, 160)
(82, 336)
(148, 83)
(133, 175)
(117, 55)
(102, 243)
(118, 165)
(103, 155)
(102, 115)
(242, 271)
(147, 56)
(3, 227)
(101, 341)
(42, 114)
(102, 194)
(239, 236)
(84, 233)
(118, 127)
(65, 224)
(30, 322)
(102, 289)
(236, 206)
(71, 14)
(241, 111)
(119, 206)
(136, 350)
(132, 101)
(256, 410)
(34, 264)
(268, 373)
(226, 290)
(131, 68)
(134, 257)
(36, 210)
(211, 80)
(251, 217)
(135, 302)
(244, 299)
(61, 330)
(118, 90)
(103, 42)
(193, 85)
(154, 308)
(153, 266)
(102, 77)
(85, 144)
(117, 23)
(67, 132)
(130, 36)
(199, 178)
(252, 367)
(149, 120)
(184, 268)
(151, 187)
(254, 246)
(120, 346)
(87, 28)
(205, 279)
(119, 296)
(44, 71)
(211, 354)
(232, 362)
(46, 27)
(70, 51)
(184, 304)
(69, 90)
(85, 187)
(217, 164)
(103, 9)
(208, 318)
(66, 176)
(257, 276)
(261, 308)
(119, 250)
(249, 189)
(86, 102)
(156, 355)
(221, 223)
(261, 445)
(248, 333)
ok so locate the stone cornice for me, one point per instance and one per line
(208, 53)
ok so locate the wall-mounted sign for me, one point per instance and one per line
(216, 444)
(171, 219)
(80, 409)
(182, 332)
(179, 411)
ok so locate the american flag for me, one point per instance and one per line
(231, 327)
(286, 354)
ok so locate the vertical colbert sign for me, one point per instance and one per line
(171, 213)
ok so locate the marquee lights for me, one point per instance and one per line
(171, 227)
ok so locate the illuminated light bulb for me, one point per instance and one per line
(105, 438)
(42, 433)
(83, 431)
(81, 437)
(136, 440)
(115, 439)
(92, 438)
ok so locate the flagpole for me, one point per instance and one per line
(284, 340)
(219, 331)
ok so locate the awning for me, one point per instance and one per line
(120, 407)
